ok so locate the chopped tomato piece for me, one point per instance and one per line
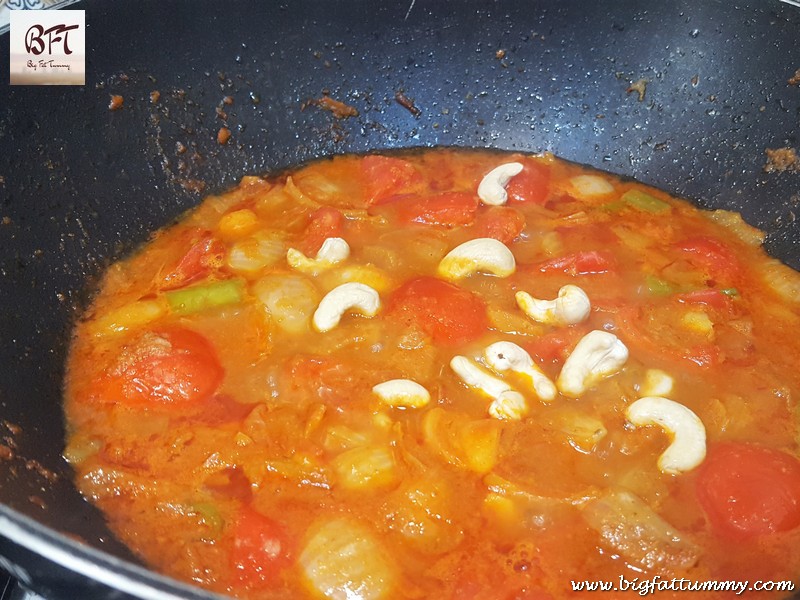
(580, 263)
(205, 254)
(319, 378)
(715, 258)
(449, 209)
(531, 185)
(655, 331)
(261, 549)
(553, 347)
(173, 366)
(386, 176)
(748, 490)
(704, 355)
(711, 297)
(449, 314)
(502, 223)
(219, 408)
(324, 222)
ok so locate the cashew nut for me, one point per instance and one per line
(486, 255)
(506, 404)
(509, 405)
(572, 306)
(656, 383)
(688, 447)
(475, 377)
(492, 188)
(599, 354)
(507, 356)
(402, 393)
(333, 251)
(348, 296)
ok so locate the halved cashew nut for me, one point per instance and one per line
(688, 447)
(332, 252)
(346, 297)
(507, 356)
(510, 405)
(572, 306)
(507, 403)
(492, 188)
(485, 255)
(599, 354)
(402, 393)
(656, 383)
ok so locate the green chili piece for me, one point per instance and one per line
(614, 207)
(210, 515)
(730, 292)
(658, 287)
(197, 298)
(644, 202)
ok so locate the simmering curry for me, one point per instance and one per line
(445, 374)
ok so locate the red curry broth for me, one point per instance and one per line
(232, 445)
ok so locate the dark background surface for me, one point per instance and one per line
(81, 185)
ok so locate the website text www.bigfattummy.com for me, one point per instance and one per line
(643, 587)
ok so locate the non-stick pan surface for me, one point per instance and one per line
(81, 185)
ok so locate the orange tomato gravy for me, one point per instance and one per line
(232, 444)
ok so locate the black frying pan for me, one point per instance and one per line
(81, 185)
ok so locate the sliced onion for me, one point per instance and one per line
(629, 526)
(591, 185)
(784, 280)
(256, 252)
(342, 560)
(733, 222)
(289, 299)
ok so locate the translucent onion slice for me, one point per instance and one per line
(256, 252)
(782, 279)
(591, 185)
(342, 560)
(289, 299)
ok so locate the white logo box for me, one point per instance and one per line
(47, 47)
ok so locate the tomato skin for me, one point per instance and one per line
(204, 254)
(217, 409)
(580, 263)
(553, 347)
(748, 490)
(647, 332)
(705, 355)
(531, 185)
(446, 312)
(448, 209)
(261, 549)
(386, 176)
(323, 223)
(710, 297)
(169, 367)
(502, 223)
(320, 379)
(711, 255)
